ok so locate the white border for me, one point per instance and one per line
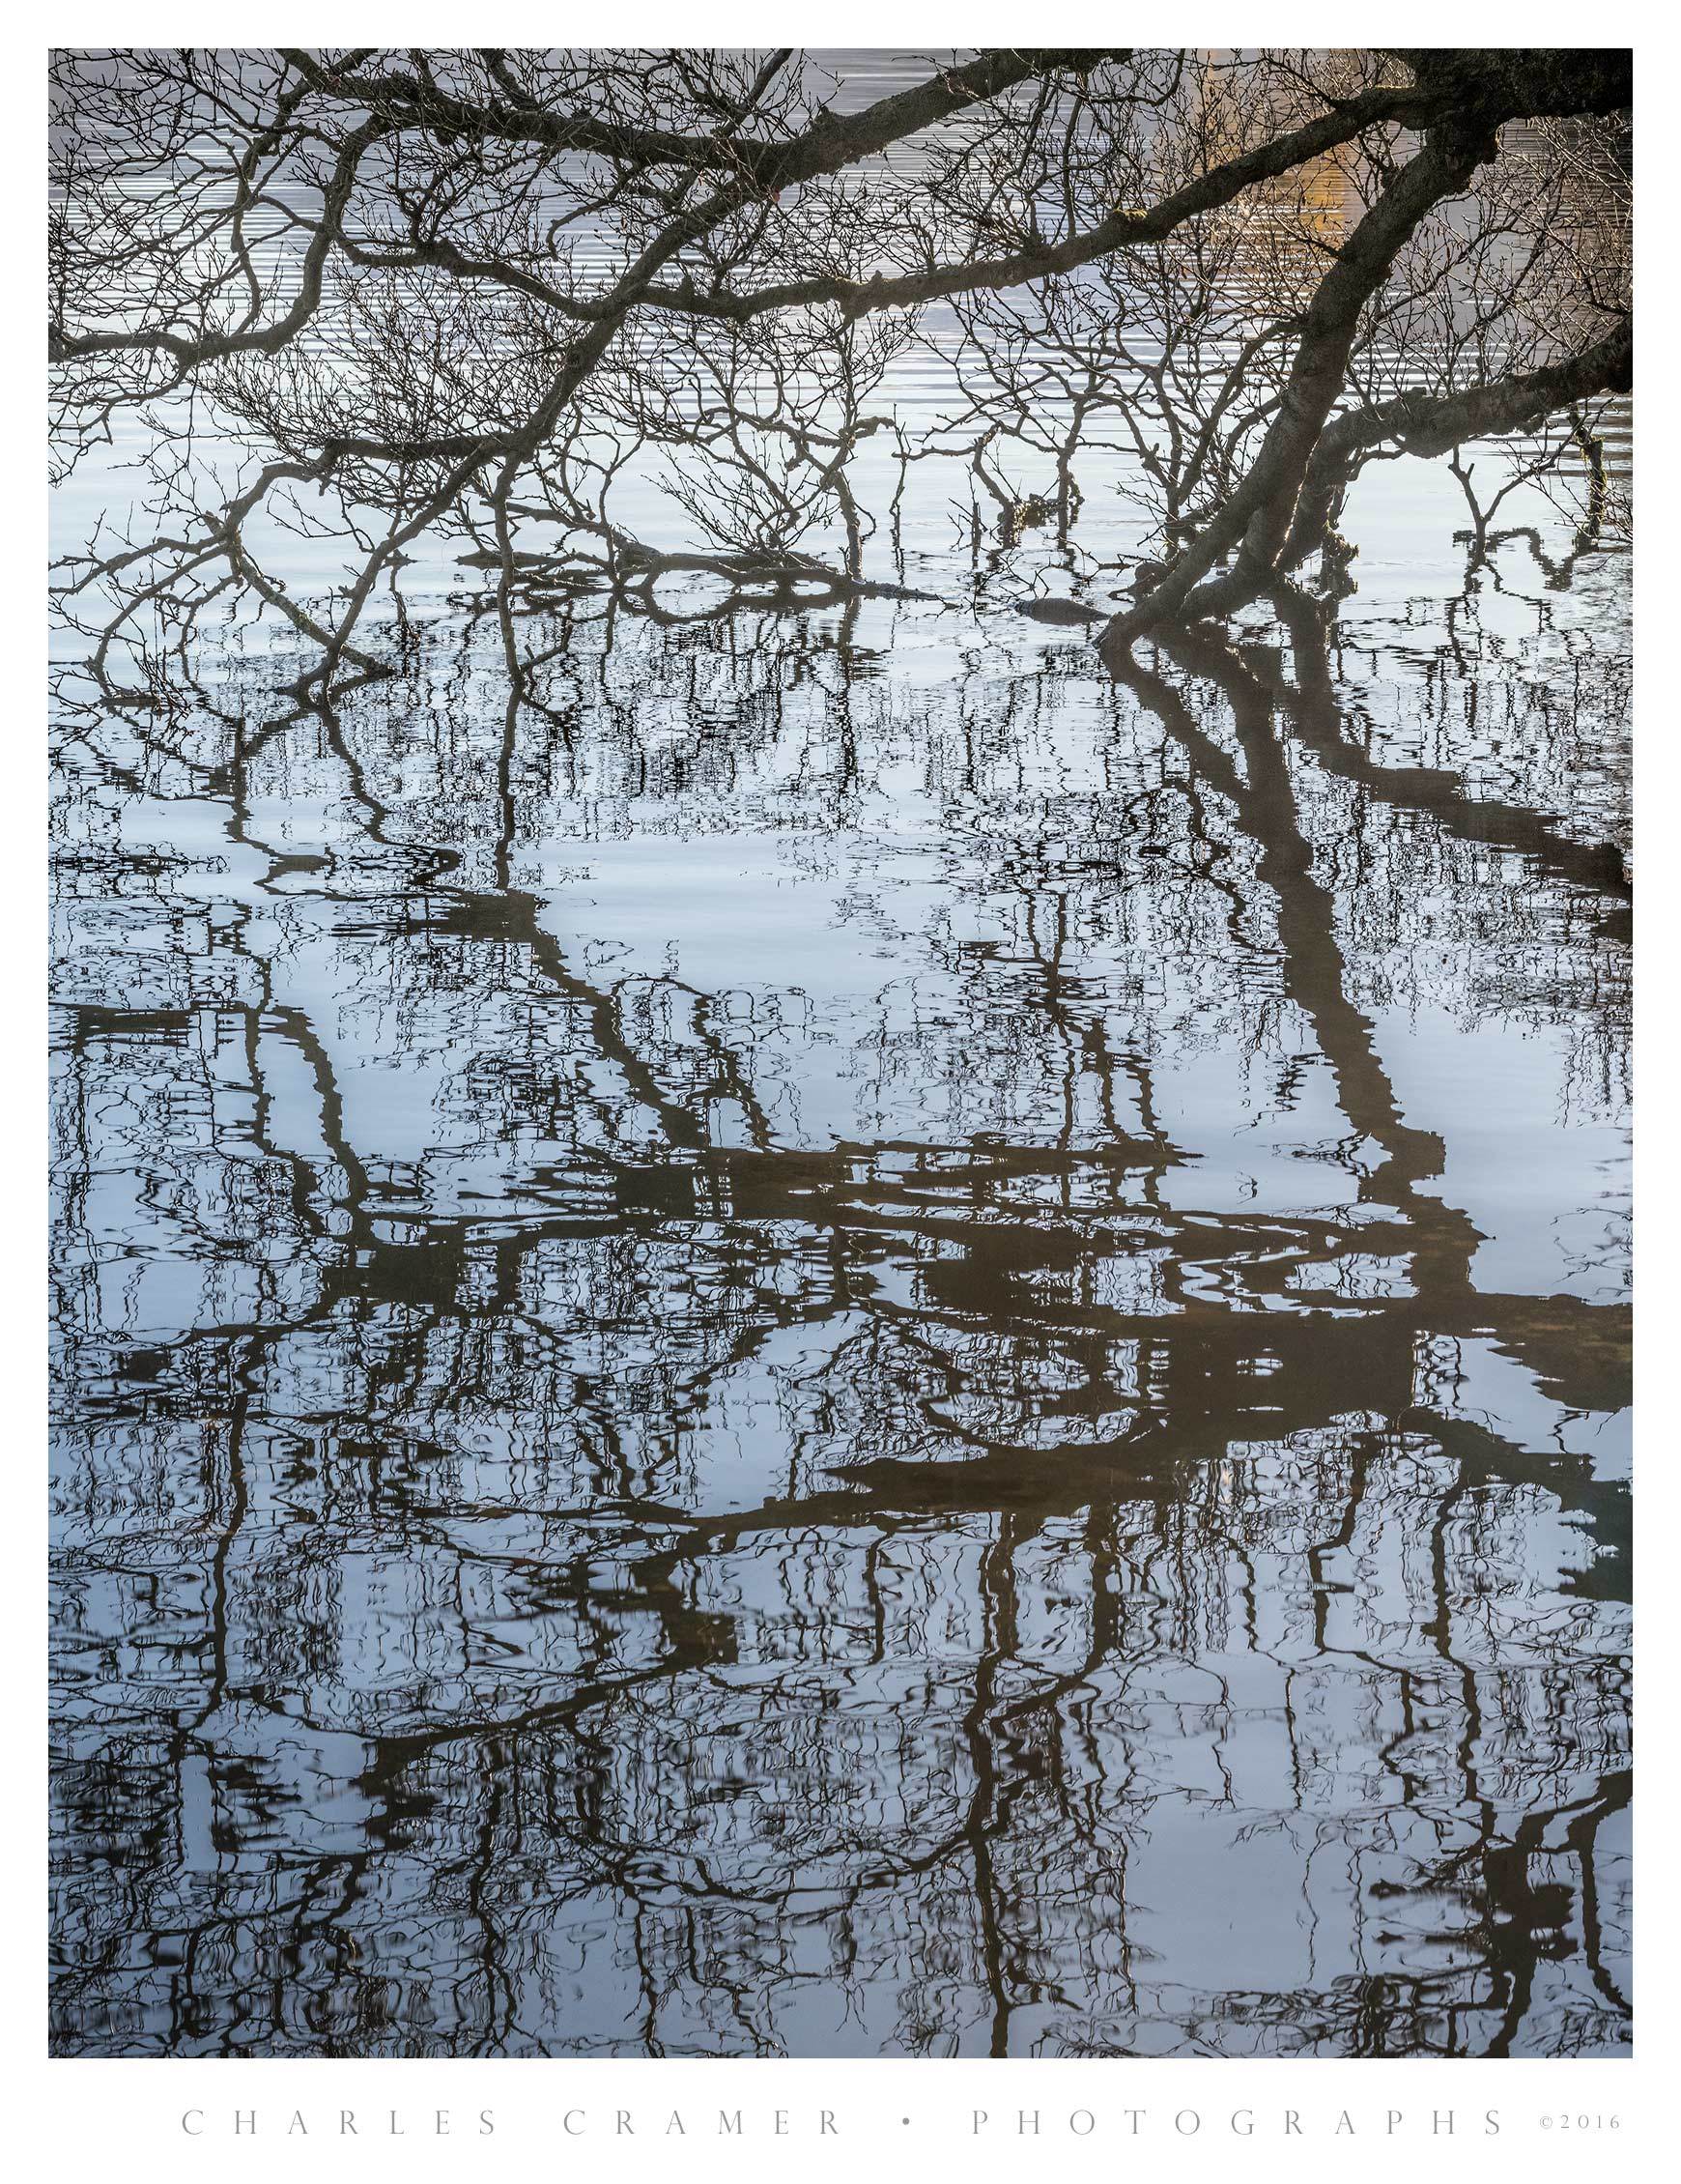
(87, 2119)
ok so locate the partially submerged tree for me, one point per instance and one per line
(375, 295)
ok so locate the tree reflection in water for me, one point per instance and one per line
(757, 1357)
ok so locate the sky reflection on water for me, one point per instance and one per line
(857, 1343)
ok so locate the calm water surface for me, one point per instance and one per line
(857, 1342)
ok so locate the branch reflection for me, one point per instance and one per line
(901, 1444)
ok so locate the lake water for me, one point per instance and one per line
(855, 1341)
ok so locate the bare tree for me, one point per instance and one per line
(464, 291)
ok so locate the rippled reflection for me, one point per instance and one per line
(848, 1342)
